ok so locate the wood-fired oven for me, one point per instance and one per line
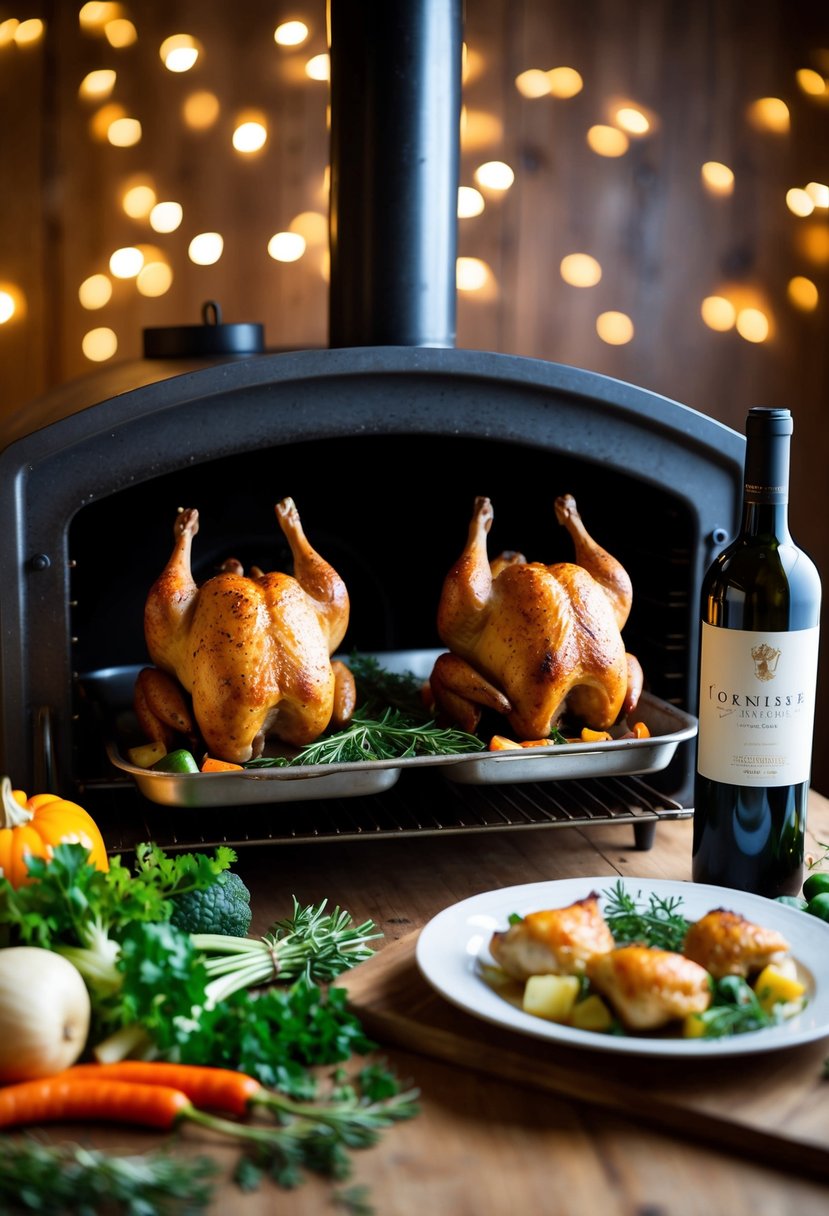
(383, 440)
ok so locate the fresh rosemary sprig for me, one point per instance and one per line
(656, 924)
(392, 735)
(377, 687)
(311, 942)
(73, 1179)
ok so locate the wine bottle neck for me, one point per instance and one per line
(766, 486)
(766, 519)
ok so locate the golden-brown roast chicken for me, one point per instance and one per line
(528, 640)
(725, 943)
(559, 941)
(252, 652)
(648, 988)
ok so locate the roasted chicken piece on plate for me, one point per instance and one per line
(647, 987)
(725, 943)
(561, 941)
(529, 640)
(254, 653)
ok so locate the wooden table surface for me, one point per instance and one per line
(480, 1146)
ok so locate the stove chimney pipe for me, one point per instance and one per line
(395, 152)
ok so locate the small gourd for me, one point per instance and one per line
(32, 827)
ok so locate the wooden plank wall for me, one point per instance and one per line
(663, 242)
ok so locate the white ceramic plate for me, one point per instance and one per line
(454, 945)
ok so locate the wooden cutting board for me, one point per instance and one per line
(774, 1106)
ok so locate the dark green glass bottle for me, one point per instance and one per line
(758, 671)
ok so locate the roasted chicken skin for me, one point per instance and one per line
(648, 988)
(253, 652)
(528, 640)
(561, 941)
(725, 943)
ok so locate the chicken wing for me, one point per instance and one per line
(648, 988)
(725, 943)
(560, 941)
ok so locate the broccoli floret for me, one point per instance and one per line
(223, 907)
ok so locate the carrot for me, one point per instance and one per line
(209, 1088)
(63, 1098)
(211, 765)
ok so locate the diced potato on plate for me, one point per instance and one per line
(591, 1014)
(551, 996)
(774, 987)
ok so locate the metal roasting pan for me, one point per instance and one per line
(111, 690)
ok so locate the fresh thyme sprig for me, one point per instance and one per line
(392, 735)
(656, 924)
(311, 942)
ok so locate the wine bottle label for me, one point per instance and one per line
(756, 705)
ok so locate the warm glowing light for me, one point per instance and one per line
(124, 132)
(811, 82)
(580, 270)
(166, 216)
(290, 33)
(607, 141)
(769, 114)
(250, 136)
(803, 293)
(286, 246)
(632, 120)
(99, 344)
(717, 177)
(479, 129)
(7, 30)
(179, 53)
(494, 175)
(102, 120)
(96, 14)
(95, 292)
(615, 328)
(201, 110)
(533, 83)
(125, 263)
(28, 32)
(318, 67)
(97, 86)
(473, 64)
(206, 248)
(813, 242)
(120, 33)
(154, 279)
(12, 302)
(311, 226)
(799, 202)
(138, 201)
(752, 324)
(470, 202)
(472, 274)
(718, 313)
(818, 193)
(564, 82)
(7, 306)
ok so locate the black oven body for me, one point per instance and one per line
(384, 450)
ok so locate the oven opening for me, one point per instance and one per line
(390, 513)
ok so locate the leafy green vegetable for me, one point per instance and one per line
(734, 1009)
(656, 924)
(73, 1180)
(222, 908)
(378, 688)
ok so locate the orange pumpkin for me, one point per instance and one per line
(31, 827)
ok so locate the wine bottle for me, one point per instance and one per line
(758, 674)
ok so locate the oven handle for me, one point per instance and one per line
(45, 762)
